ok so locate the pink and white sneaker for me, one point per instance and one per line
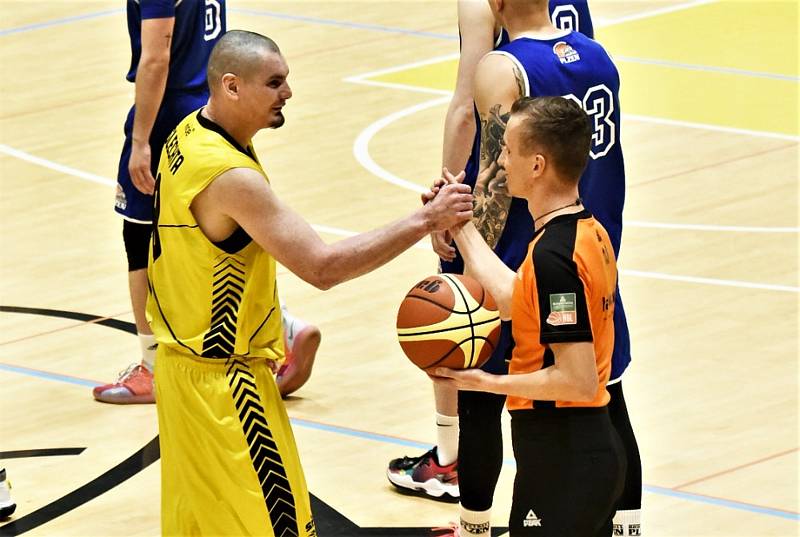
(134, 386)
(301, 342)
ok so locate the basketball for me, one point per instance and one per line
(448, 320)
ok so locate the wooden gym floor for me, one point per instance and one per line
(708, 267)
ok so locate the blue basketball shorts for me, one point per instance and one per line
(176, 105)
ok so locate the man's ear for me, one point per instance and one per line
(539, 164)
(230, 85)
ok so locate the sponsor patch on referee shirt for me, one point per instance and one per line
(563, 309)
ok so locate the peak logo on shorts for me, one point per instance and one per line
(563, 309)
(565, 53)
(531, 520)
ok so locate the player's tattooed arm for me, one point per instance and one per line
(492, 200)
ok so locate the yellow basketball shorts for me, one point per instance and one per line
(229, 463)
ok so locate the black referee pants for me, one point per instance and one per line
(570, 472)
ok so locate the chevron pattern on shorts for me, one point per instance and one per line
(263, 450)
(226, 297)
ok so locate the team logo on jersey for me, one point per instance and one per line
(531, 520)
(563, 309)
(565, 53)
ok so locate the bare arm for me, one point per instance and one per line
(476, 25)
(243, 197)
(151, 81)
(484, 265)
(498, 83)
(573, 377)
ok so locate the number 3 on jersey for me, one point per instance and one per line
(213, 20)
(599, 104)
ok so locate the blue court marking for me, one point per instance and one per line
(345, 431)
(343, 24)
(59, 22)
(722, 502)
(359, 434)
(47, 375)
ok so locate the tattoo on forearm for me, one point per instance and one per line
(491, 192)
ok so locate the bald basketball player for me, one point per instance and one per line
(229, 461)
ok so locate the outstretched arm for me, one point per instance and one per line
(243, 197)
(484, 265)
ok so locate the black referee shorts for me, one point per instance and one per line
(570, 472)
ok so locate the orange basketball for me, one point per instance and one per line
(448, 320)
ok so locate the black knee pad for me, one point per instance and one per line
(137, 243)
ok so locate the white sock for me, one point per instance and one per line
(475, 523)
(628, 523)
(447, 438)
(148, 344)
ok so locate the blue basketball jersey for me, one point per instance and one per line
(578, 68)
(198, 26)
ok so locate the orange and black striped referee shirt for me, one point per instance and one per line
(564, 292)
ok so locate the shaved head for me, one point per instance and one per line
(240, 53)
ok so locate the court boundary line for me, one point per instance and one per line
(389, 439)
(421, 245)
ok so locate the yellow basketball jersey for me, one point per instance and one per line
(207, 299)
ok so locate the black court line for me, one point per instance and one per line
(329, 522)
(125, 326)
(91, 490)
(53, 452)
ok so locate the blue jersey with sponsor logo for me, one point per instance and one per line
(576, 67)
(198, 26)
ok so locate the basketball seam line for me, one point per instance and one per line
(451, 310)
(454, 347)
(493, 319)
(469, 313)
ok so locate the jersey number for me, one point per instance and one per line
(213, 20)
(599, 104)
(566, 18)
